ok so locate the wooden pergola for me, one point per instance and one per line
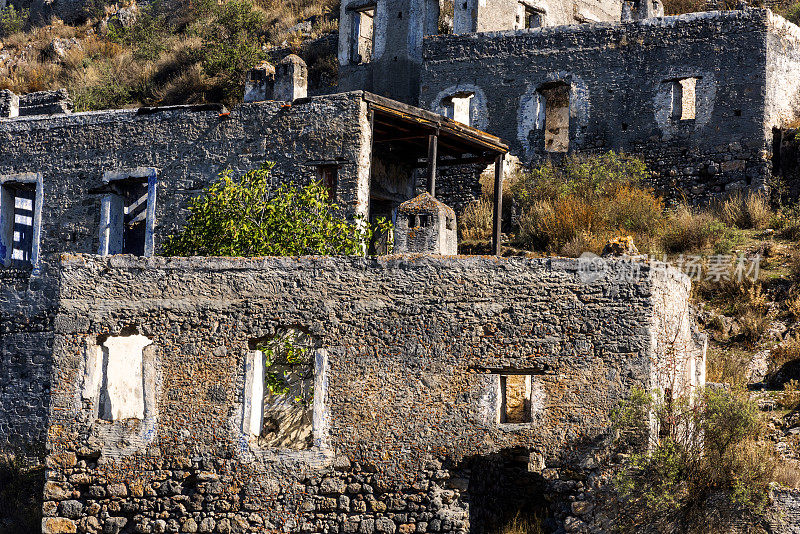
(431, 141)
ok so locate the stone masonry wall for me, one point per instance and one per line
(620, 77)
(188, 147)
(415, 345)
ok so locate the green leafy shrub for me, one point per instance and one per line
(709, 460)
(12, 20)
(246, 217)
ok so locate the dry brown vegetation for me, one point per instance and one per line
(175, 52)
(578, 206)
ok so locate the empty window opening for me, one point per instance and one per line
(533, 18)
(422, 221)
(18, 209)
(134, 210)
(556, 125)
(684, 99)
(328, 176)
(128, 213)
(363, 34)
(451, 223)
(281, 392)
(458, 107)
(515, 398)
(115, 377)
(777, 148)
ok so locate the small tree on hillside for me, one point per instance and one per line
(246, 217)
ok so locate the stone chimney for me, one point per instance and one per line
(260, 83)
(9, 104)
(426, 226)
(291, 79)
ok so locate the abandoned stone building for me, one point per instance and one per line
(431, 394)
(703, 97)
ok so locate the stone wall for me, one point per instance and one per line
(621, 78)
(392, 66)
(411, 352)
(187, 147)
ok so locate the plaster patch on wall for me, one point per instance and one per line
(123, 395)
(120, 383)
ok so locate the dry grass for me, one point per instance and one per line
(754, 323)
(523, 525)
(727, 366)
(745, 210)
(163, 59)
(283, 15)
(476, 220)
(787, 474)
(583, 242)
(785, 353)
(690, 229)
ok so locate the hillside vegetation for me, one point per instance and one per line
(169, 52)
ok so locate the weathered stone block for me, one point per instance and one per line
(58, 525)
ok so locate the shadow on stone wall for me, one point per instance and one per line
(502, 489)
(21, 483)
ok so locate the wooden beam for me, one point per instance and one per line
(396, 139)
(433, 148)
(455, 162)
(498, 205)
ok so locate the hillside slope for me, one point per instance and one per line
(167, 52)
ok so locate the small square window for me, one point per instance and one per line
(515, 398)
(459, 107)
(422, 221)
(533, 18)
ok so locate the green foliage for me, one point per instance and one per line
(246, 217)
(12, 20)
(709, 452)
(232, 35)
(288, 365)
(233, 39)
(792, 13)
(594, 177)
(147, 37)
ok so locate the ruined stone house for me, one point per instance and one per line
(704, 98)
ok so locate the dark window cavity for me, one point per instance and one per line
(20, 219)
